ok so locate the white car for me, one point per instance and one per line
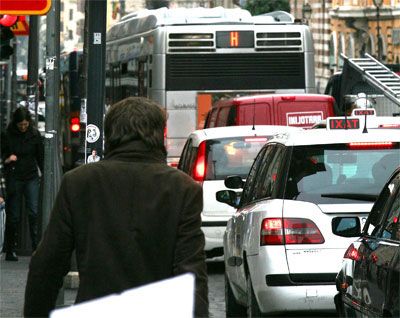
(280, 252)
(209, 156)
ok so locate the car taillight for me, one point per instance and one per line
(371, 145)
(292, 231)
(199, 169)
(75, 124)
(271, 232)
(352, 253)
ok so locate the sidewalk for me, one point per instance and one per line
(12, 287)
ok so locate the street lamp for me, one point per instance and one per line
(306, 11)
(378, 4)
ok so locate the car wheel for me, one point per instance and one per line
(232, 308)
(253, 310)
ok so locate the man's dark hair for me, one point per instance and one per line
(135, 118)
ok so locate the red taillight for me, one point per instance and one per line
(371, 145)
(75, 124)
(352, 253)
(271, 232)
(199, 169)
(293, 231)
(302, 231)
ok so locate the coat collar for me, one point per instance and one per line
(136, 150)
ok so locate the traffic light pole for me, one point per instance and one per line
(52, 161)
(95, 49)
(33, 61)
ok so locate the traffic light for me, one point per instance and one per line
(75, 124)
(5, 46)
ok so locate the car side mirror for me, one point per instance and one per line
(346, 226)
(234, 182)
(229, 197)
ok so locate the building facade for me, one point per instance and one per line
(357, 27)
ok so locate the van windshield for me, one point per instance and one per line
(328, 174)
(232, 156)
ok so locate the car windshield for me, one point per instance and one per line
(232, 156)
(338, 174)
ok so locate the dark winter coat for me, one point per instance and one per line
(28, 147)
(132, 220)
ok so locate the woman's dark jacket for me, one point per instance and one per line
(28, 147)
(132, 220)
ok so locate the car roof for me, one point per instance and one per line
(238, 131)
(322, 136)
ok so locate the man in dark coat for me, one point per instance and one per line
(131, 218)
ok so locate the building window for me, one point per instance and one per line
(350, 50)
(71, 14)
(70, 35)
(333, 52)
(341, 49)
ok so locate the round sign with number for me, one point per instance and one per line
(92, 133)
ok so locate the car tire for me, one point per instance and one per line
(253, 310)
(232, 308)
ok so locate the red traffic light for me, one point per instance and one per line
(75, 125)
(8, 20)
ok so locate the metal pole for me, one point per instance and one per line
(95, 70)
(378, 30)
(33, 62)
(52, 160)
(14, 77)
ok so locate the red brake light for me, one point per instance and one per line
(75, 125)
(256, 139)
(389, 126)
(199, 170)
(291, 98)
(293, 231)
(371, 145)
(352, 253)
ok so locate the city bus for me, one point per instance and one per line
(186, 59)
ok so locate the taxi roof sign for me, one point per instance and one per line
(342, 123)
(25, 7)
(363, 112)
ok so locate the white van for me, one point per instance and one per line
(209, 156)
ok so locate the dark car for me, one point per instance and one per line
(368, 283)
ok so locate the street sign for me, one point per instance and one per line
(25, 7)
(20, 28)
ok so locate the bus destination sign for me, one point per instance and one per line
(235, 39)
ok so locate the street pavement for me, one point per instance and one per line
(13, 280)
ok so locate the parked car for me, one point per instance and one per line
(209, 156)
(299, 110)
(279, 249)
(368, 284)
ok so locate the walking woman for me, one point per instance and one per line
(22, 151)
